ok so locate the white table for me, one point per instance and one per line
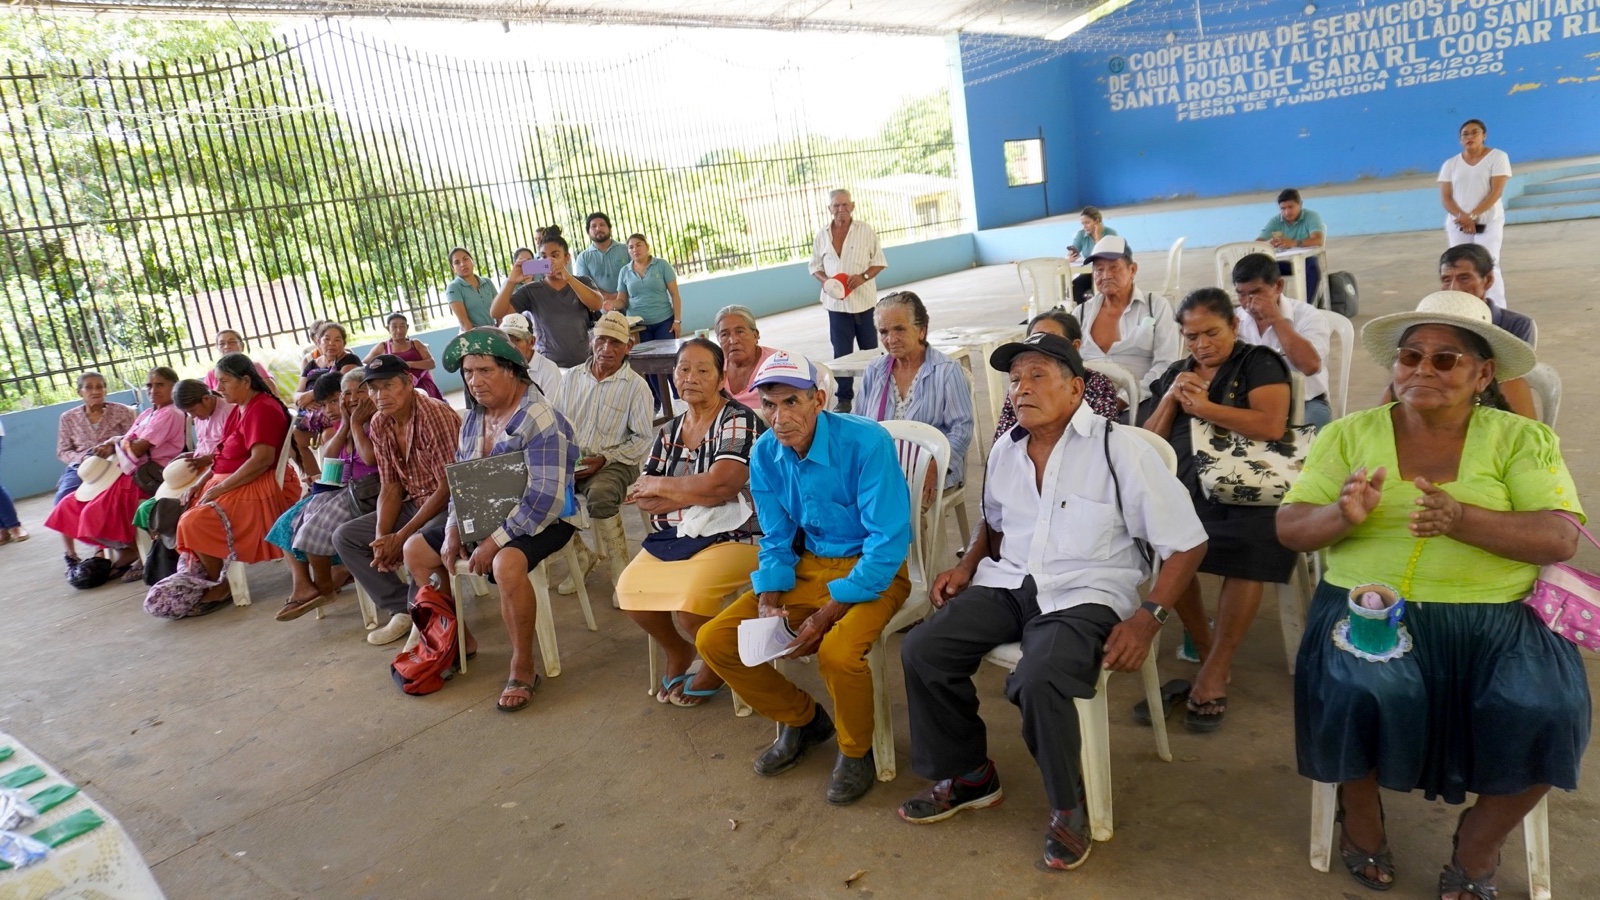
(101, 863)
(1296, 258)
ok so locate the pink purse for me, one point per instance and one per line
(1567, 599)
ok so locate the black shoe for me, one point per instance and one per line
(792, 742)
(1067, 843)
(843, 405)
(946, 798)
(852, 778)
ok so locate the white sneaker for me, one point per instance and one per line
(399, 626)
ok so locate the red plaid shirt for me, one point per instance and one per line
(414, 455)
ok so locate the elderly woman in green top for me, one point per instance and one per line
(1449, 503)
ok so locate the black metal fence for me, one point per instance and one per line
(328, 174)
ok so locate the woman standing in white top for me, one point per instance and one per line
(1470, 185)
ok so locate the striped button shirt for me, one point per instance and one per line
(612, 416)
(546, 442)
(414, 455)
(861, 252)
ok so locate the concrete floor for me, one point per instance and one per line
(252, 759)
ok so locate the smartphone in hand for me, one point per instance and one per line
(536, 267)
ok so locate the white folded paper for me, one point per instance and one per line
(764, 640)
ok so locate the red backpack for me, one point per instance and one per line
(422, 669)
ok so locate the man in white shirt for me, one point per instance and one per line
(1134, 329)
(1295, 329)
(846, 259)
(609, 406)
(1056, 565)
(546, 375)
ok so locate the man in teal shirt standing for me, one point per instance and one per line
(836, 526)
(604, 259)
(1296, 226)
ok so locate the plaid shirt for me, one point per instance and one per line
(430, 440)
(545, 439)
(612, 417)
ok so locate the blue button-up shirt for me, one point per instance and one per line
(602, 265)
(848, 496)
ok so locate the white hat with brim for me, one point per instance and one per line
(97, 473)
(1512, 357)
(176, 479)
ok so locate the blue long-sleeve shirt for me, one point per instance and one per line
(941, 396)
(847, 495)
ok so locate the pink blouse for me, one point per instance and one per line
(208, 432)
(163, 427)
(750, 396)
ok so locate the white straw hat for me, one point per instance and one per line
(1512, 357)
(97, 473)
(176, 478)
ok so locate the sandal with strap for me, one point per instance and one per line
(668, 683)
(517, 690)
(1454, 879)
(1358, 860)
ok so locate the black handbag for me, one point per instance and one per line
(160, 562)
(361, 495)
(87, 574)
(149, 477)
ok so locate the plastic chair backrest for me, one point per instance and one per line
(1228, 254)
(1297, 398)
(921, 447)
(826, 382)
(1174, 269)
(1045, 280)
(1163, 449)
(1343, 330)
(1533, 339)
(1127, 385)
(1545, 382)
(285, 451)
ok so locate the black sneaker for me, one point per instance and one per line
(945, 798)
(1067, 843)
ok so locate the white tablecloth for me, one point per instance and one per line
(101, 865)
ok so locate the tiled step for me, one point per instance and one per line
(1553, 198)
(1558, 185)
(1551, 213)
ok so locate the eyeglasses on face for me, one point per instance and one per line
(1442, 361)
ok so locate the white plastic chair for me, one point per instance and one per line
(1228, 254)
(1094, 719)
(1045, 278)
(1545, 382)
(1345, 332)
(544, 625)
(1169, 287)
(238, 581)
(1535, 836)
(1127, 385)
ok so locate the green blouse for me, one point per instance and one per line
(1509, 463)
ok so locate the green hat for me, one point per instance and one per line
(481, 341)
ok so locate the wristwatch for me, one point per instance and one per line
(1155, 609)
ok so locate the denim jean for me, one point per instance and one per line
(846, 330)
(8, 510)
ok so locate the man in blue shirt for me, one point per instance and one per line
(604, 259)
(836, 525)
(1296, 226)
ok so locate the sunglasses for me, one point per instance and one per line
(1442, 361)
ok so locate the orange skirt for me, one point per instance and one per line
(250, 509)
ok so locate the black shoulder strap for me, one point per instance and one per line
(1145, 550)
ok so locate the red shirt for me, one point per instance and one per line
(261, 421)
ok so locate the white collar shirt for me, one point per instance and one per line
(610, 417)
(1068, 532)
(1148, 340)
(862, 251)
(1308, 322)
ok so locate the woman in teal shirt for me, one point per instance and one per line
(649, 289)
(469, 295)
(1094, 228)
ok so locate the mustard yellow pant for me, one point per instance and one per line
(841, 660)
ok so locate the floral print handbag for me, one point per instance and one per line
(1237, 471)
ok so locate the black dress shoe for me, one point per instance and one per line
(792, 742)
(1067, 843)
(852, 778)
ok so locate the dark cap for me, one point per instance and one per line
(1051, 345)
(328, 384)
(386, 366)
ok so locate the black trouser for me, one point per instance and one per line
(1082, 288)
(354, 542)
(845, 331)
(1061, 655)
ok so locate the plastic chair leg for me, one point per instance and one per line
(141, 540)
(1324, 804)
(882, 718)
(571, 552)
(742, 709)
(480, 586)
(1536, 837)
(1292, 613)
(962, 526)
(1094, 757)
(369, 611)
(1152, 696)
(238, 583)
(544, 625)
(655, 666)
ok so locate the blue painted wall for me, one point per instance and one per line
(1535, 80)
(1015, 91)
(29, 466)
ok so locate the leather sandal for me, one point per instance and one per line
(1455, 880)
(517, 690)
(1358, 860)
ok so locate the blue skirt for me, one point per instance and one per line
(1488, 701)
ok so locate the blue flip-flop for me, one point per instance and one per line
(688, 692)
(668, 683)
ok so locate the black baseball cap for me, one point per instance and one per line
(1052, 345)
(386, 366)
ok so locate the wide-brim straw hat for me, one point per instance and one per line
(177, 478)
(1513, 358)
(98, 473)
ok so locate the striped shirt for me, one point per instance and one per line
(415, 459)
(76, 436)
(861, 252)
(940, 396)
(611, 417)
(545, 439)
(730, 437)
